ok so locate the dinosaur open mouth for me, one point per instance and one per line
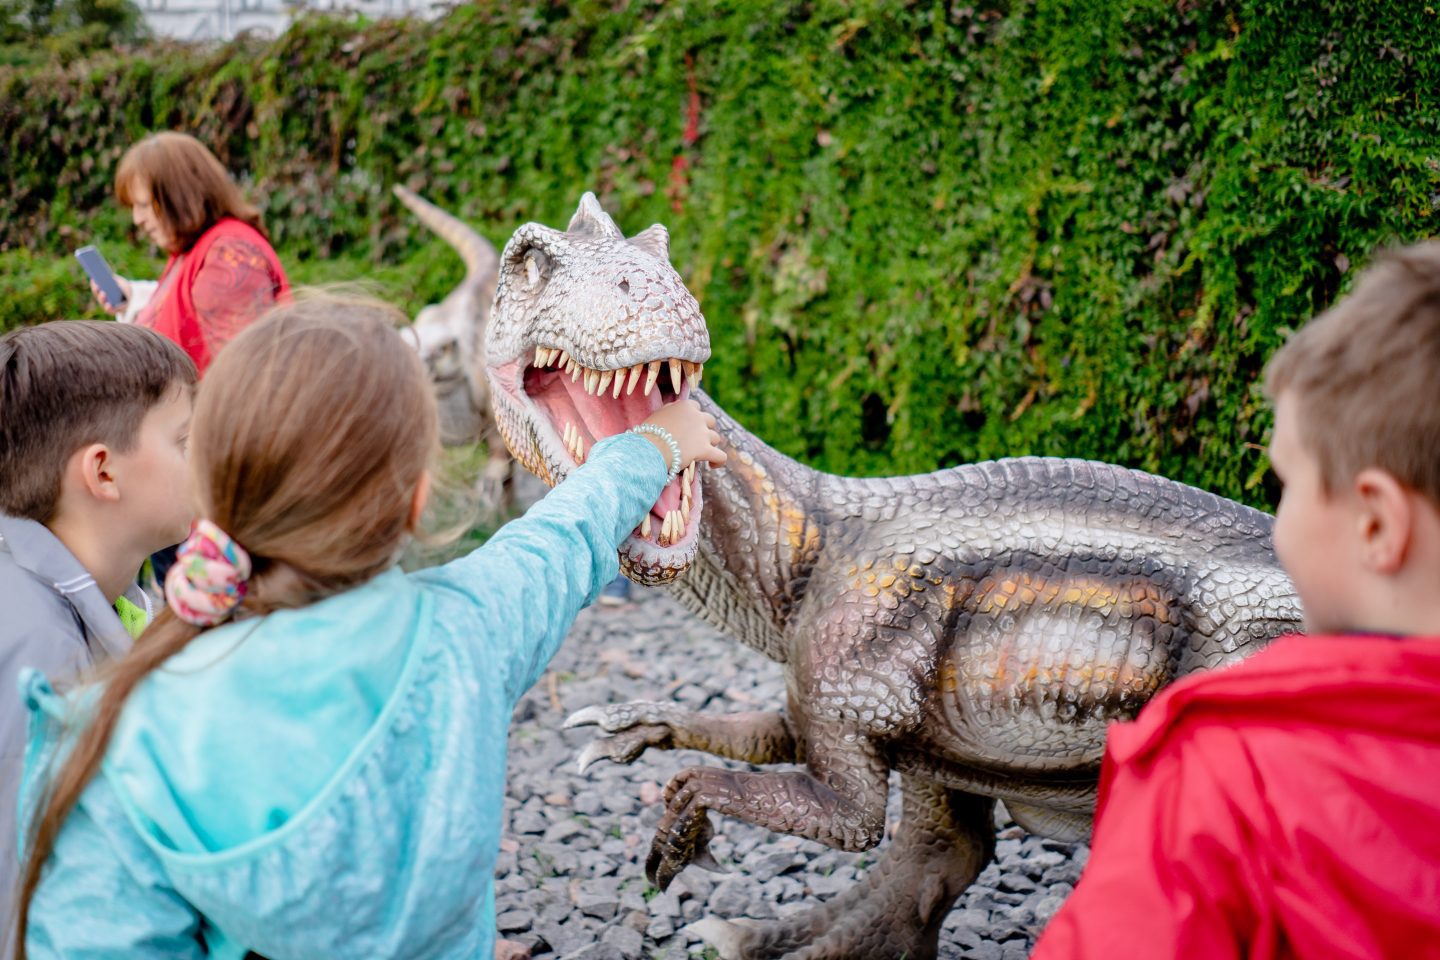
(584, 405)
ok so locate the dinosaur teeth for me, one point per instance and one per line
(675, 375)
(603, 383)
(561, 360)
(685, 510)
(574, 370)
(574, 442)
(645, 526)
(619, 384)
(591, 379)
(665, 530)
(654, 373)
(635, 372)
(692, 374)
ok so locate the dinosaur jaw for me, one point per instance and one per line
(559, 409)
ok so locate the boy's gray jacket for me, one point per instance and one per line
(53, 617)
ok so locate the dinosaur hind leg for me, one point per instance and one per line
(944, 840)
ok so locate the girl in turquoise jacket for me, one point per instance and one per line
(305, 755)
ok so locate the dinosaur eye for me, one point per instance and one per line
(537, 266)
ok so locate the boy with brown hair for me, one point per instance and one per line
(1289, 806)
(93, 423)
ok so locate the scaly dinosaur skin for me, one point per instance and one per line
(974, 628)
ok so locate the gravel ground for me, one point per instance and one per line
(571, 880)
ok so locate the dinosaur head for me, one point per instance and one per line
(591, 333)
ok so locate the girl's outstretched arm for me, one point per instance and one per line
(528, 582)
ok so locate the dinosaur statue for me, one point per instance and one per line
(974, 629)
(449, 337)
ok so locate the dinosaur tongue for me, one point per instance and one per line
(565, 401)
(583, 418)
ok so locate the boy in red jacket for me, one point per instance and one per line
(1289, 806)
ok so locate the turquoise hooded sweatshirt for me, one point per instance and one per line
(328, 781)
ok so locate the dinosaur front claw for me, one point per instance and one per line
(587, 717)
(592, 752)
(634, 727)
(614, 717)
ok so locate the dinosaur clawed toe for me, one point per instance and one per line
(684, 833)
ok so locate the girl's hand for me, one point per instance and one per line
(106, 305)
(692, 428)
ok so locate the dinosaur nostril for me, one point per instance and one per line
(624, 286)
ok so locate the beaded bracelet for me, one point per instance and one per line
(669, 439)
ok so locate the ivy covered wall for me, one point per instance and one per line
(922, 233)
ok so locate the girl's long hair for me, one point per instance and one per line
(189, 186)
(310, 436)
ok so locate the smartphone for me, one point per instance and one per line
(101, 273)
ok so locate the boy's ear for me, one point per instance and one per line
(1386, 520)
(92, 471)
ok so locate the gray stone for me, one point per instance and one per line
(599, 904)
(666, 904)
(589, 803)
(564, 830)
(1014, 950)
(595, 951)
(565, 938)
(770, 865)
(515, 921)
(732, 897)
(986, 950)
(527, 822)
(630, 943)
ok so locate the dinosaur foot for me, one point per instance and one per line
(862, 923)
(898, 907)
(685, 842)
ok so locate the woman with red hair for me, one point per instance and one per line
(222, 273)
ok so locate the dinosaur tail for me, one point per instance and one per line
(481, 260)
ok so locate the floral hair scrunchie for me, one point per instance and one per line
(207, 582)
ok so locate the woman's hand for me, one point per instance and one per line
(692, 428)
(106, 305)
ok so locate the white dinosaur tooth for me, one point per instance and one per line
(692, 374)
(619, 384)
(539, 357)
(591, 378)
(603, 383)
(634, 378)
(675, 374)
(645, 526)
(685, 511)
(650, 380)
(561, 360)
(574, 370)
(689, 474)
(665, 531)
